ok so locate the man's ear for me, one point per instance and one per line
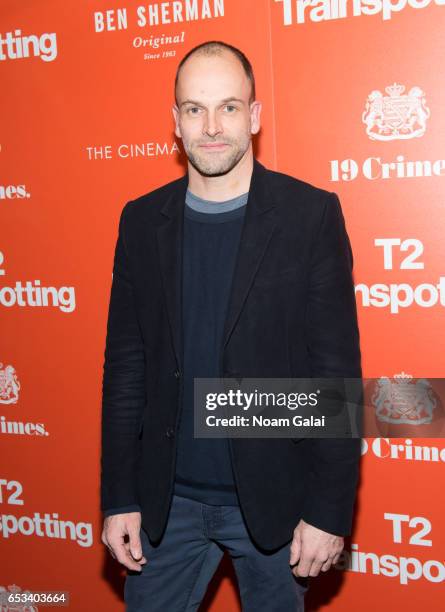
(255, 113)
(175, 111)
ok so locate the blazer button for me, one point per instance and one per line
(177, 374)
(170, 432)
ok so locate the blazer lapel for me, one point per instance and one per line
(258, 225)
(170, 240)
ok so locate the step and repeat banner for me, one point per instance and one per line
(353, 96)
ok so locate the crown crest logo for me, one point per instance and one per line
(403, 376)
(404, 399)
(397, 115)
(395, 90)
(9, 385)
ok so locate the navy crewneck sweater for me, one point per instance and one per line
(211, 238)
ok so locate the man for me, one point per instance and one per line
(232, 270)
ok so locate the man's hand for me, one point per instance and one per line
(115, 528)
(313, 549)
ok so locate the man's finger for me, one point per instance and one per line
(336, 558)
(303, 567)
(326, 565)
(111, 551)
(295, 550)
(124, 556)
(104, 540)
(317, 564)
(135, 546)
(140, 559)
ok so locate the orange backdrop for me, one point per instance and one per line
(353, 95)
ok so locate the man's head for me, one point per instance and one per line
(215, 103)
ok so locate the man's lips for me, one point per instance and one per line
(219, 145)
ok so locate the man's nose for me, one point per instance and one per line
(212, 124)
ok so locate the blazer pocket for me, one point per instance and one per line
(296, 440)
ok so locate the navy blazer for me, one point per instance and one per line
(291, 313)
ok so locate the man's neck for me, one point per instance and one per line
(225, 187)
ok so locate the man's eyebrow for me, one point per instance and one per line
(231, 99)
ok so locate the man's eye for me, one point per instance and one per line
(193, 108)
(230, 107)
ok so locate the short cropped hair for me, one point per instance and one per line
(214, 47)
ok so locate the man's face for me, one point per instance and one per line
(213, 116)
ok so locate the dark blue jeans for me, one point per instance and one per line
(179, 568)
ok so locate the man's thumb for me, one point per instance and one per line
(135, 546)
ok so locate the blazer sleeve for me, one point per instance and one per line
(122, 510)
(123, 385)
(333, 345)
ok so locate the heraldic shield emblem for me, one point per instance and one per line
(397, 116)
(7, 596)
(405, 406)
(9, 385)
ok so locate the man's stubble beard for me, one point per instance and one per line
(218, 163)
